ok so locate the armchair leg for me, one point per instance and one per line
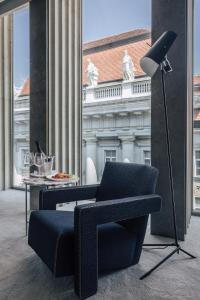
(86, 273)
(83, 291)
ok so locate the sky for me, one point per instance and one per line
(197, 37)
(100, 18)
(107, 17)
(21, 57)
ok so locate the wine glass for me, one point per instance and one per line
(28, 162)
(49, 160)
(29, 159)
(39, 161)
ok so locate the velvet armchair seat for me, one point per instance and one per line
(103, 236)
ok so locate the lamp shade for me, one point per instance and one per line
(156, 55)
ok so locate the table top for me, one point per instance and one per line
(35, 181)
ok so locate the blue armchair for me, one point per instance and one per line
(105, 235)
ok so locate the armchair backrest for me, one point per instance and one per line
(122, 180)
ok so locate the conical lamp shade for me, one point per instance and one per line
(155, 56)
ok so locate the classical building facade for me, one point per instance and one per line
(116, 108)
(196, 143)
(21, 118)
(116, 103)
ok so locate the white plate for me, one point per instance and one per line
(71, 179)
(37, 175)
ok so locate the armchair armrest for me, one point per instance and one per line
(86, 218)
(49, 198)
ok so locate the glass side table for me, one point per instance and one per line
(44, 183)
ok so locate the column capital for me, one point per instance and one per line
(90, 140)
(127, 139)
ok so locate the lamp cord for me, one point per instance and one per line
(169, 155)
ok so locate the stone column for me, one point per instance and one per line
(38, 84)
(179, 104)
(127, 148)
(64, 89)
(38, 75)
(91, 155)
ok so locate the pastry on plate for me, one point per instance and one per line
(61, 175)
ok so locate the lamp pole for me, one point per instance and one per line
(169, 157)
(165, 67)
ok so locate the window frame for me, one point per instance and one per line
(8, 8)
(195, 162)
(111, 157)
(145, 158)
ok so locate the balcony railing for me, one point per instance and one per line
(141, 87)
(108, 92)
(126, 89)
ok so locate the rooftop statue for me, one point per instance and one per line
(92, 74)
(128, 67)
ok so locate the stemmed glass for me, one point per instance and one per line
(39, 161)
(29, 160)
(48, 166)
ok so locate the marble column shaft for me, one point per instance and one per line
(65, 84)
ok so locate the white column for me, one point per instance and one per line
(127, 148)
(65, 84)
(91, 156)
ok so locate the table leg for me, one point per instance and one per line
(76, 184)
(26, 207)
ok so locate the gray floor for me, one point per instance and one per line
(24, 276)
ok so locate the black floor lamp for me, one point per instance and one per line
(157, 57)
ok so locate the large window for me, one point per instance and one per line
(116, 92)
(196, 140)
(21, 92)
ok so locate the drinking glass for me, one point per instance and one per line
(28, 162)
(39, 161)
(29, 159)
(49, 160)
